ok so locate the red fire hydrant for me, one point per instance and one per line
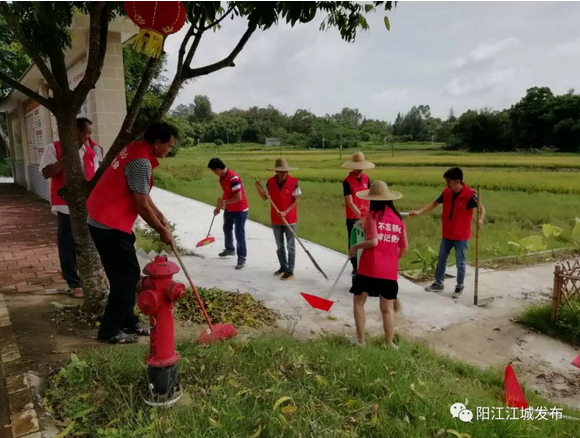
(157, 293)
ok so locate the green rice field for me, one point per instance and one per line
(520, 191)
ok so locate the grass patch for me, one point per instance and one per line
(239, 309)
(508, 211)
(5, 168)
(147, 239)
(278, 387)
(566, 328)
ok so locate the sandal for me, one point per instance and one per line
(121, 338)
(77, 293)
(138, 330)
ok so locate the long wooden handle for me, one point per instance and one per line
(347, 261)
(316, 265)
(476, 286)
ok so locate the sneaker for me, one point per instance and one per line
(354, 341)
(226, 252)
(435, 287)
(279, 272)
(241, 264)
(394, 346)
(287, 276)
(458, 292)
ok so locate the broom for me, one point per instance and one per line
(215, 333)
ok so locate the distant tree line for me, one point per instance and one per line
(540, 120)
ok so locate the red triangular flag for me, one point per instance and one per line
(576, 362)
(318, 302)
(513, 394)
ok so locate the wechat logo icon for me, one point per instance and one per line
(459, 410)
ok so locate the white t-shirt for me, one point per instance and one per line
(49, 158)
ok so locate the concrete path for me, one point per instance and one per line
(421, 309)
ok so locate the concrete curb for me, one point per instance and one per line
(23, 416)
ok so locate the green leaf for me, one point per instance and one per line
(65, 432)
(576, 231)
(257, 433)
(289, 409)
(351, 403)
(213, 423)
(457, 434)
(387, 24)
(321, 379)
(84, 413)
(551, 230)
(281, 400)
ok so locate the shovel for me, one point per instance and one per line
(208, 240)
(324, 303)
(476, 299)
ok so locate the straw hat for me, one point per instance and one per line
(281, 166)
(358, 162)
(379, 192)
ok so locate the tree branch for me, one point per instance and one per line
(28, 46)
(219, 20)
(99, 13)
(194, 45)
(181, 52)
(47, 103)
(189, 73)
(58, 67)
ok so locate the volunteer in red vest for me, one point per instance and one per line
(458, 201)
(356, 181)
(51, 167)
(385, 243)
(236, 214)
(119, 197)
(285, 194)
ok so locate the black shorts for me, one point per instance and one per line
(375, 287)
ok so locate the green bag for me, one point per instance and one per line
(357, 235)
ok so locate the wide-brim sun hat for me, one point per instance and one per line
(379, 191)
(358, 162)
(281, 166)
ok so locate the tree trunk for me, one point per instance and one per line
(95, 285)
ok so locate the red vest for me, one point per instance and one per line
(57, 182)
(382, 261)
(111, 202)
(226, 183)
(356, 187)
(282, 198)
(459, 226)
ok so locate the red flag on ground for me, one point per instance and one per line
(576, 362)
(513, 394)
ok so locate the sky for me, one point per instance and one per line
(464, 55)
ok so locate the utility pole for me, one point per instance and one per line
(341, 139)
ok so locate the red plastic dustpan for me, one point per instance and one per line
(206, 241)
(513, 394)
(576, 362)
(318, 302)
(324, 303)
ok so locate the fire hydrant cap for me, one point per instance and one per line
(161, 267)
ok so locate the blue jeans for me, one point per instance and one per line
(279, 232)
(460, 259)
(237, 220)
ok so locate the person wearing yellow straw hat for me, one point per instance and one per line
(355, 207)
(386, 242)
(284, 193)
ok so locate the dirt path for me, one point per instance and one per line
(493, 339)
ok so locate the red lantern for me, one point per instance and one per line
(156, 20)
